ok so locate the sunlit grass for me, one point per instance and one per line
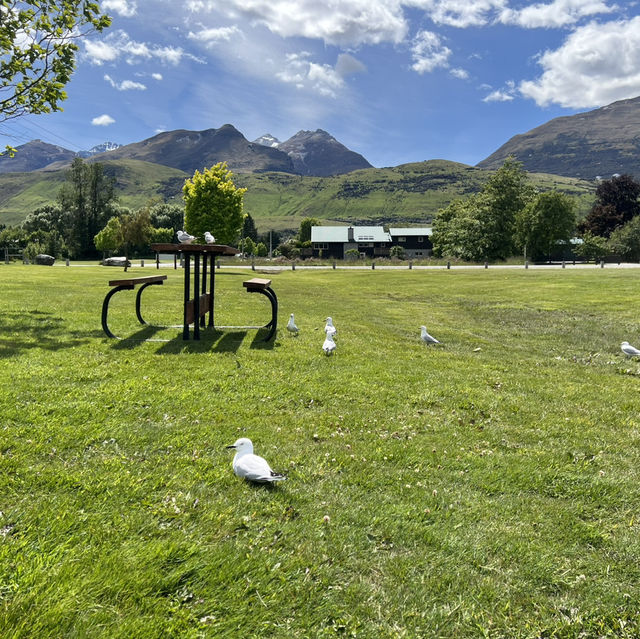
(485, 487)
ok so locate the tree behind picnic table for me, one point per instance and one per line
(213, 203)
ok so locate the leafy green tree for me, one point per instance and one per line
(249, 228)
(505, 194)
(87, 198)
(167, 216)
(397, 251)
(617, 202)
(482, 227)
(249, 246)
(593, 247)
(305, 228)
(126, 232)
(261, 249)
(547, 219)
(213, 203)
(110, 237)
(625, 240)
(38, 49)
(457, 232)
(47, 218)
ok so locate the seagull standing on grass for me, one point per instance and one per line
(426, 338)
(329, 328)
(291, 326)
(329, 345)
(208, 238)
(252, 467)
(185, 238)
(630, 351)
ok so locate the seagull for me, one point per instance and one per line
(208, 238)
(329, 345)
(252, 467)
(630, 351)
(185, 238)
(291, 326)
(426, 338)
(329, 328)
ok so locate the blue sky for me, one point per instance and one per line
(396, 80)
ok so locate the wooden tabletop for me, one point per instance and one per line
(215, 249)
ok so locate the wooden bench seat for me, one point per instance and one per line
(124, 284)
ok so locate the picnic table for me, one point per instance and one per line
(202, 301)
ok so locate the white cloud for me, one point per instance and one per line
(126, 85)
(157, 76)
(559, 13)
(100, 52)
(118, 45)
(320, 78)
(461, 74)
(506, 94)
(121, 7)
(429, 53)
(213, 36)
(102, 120)
(459, 13)
(339, 23)
(597, 64)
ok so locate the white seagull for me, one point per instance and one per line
(329, 328)
(252, 467)
(426, 338)
(329, 345)
(185, 238)
(630, 351)
(208, 238)
(291, 326)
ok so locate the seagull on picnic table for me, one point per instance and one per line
(291, 326)
(329, 328)
(426, 338)
(208, 238)
(185, 238)
(252, 467)
(329, 345)
(630, 351)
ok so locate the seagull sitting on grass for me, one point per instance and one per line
(291, 326)
(185, 238)
(208, 238)
(426, 338)
(329, 345)
(329, 328)
(252, 467)
(630, 351)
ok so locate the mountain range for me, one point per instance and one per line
(589, 145)
(307, 153)
(314, 175)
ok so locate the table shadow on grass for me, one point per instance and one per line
(211, 340)
(35, 329)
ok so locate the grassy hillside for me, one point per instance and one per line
(409, 193)
(136, 183)
(406, 194)
(480, 488)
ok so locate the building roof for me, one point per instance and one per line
(423, 230)
(341, 234)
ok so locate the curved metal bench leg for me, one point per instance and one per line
(273, 324)
(270, 293)
(105, 308)
(139, 294)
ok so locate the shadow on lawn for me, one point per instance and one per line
(210, 341)
(35, 329)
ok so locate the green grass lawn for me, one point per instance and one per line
(487, 487)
